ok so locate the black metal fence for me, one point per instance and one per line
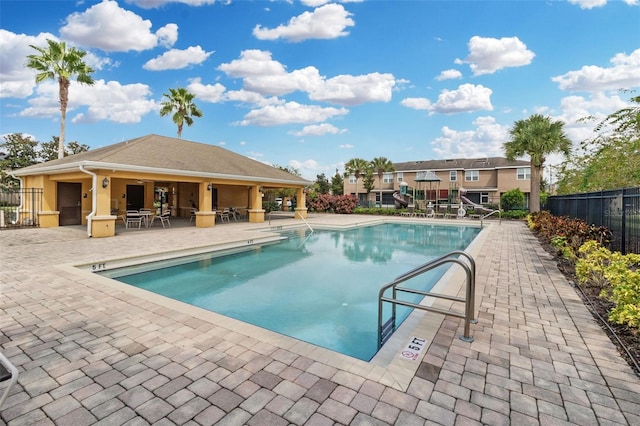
(19, 208)
(618, 210)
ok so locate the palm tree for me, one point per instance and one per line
(537, 136)
(356, 167)
(58, 62)
(180, 103)
(381, 165)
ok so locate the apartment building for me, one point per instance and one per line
(484, 180)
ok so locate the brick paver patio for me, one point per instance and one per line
(91, 353)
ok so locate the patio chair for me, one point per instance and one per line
(7, 372)
(193, 212)
(164, 218)
(224, 215)
(133, 217)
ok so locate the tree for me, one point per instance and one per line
(180, 103)
(356, 167)
(19, 151)
(368, 181)
(49, 150)
(611, 157)
(537, 137)
(381, 165)
(337, 184)
(322, 184)
(512, 199)
(58, 62)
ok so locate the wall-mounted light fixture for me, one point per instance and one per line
(105, 182)
(84, 195)
(209, 186)
(261, 189)
(124, 195)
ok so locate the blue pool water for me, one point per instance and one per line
(319, 287)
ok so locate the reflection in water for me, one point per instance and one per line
(320, 287)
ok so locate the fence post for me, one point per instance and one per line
(623, 228)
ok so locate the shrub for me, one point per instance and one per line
(512, 199)
(575, 231)
(619, 277)
(514, 214)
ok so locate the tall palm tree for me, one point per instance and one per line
(537, 136)
(381, 165)
(180, 103)
(356, 167)
(58, 62)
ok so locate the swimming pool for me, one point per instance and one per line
(319, 287)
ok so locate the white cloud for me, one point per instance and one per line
(263, 75)
(488, 55)
(588, 4)
(176, 59)
(319, 130)
(347, 146)
(485, 140)
(623, 74)
(597, 105)
(291, 112)
(167, 35)
(355, 90)
(109, 27)
(450, 74)
(154, 4)
(326, 22)
(417, 103)
(207, 92)
(16, 80)
(110, 101)
(466, 98)
(316, 3)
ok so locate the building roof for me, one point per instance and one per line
(459, 164)
(166, 155)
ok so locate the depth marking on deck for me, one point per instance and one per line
(413, 348)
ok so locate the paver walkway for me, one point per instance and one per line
(93, 354)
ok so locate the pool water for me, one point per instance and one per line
(319, 287)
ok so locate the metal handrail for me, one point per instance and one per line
(303, 219)
(469, 299)
(482, 218)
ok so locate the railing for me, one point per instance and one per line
(482, 218)
(20, 207)
(303, 219)
(386, 329)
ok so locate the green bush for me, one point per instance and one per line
(619, 277)
(513, 199)
(514, 214)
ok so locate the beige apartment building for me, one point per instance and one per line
(479, 180)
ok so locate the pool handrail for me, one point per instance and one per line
(469, 299)
(303, 219)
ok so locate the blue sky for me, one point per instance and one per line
(311, 84)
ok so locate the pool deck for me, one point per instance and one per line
(91, 351)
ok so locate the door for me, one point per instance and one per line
(70, 203)
(135, 197)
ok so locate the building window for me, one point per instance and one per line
(399, 177)
(484, 198)
(352, 179)
(524, 173)
(387, 178)
(453, 175)
(471, 175)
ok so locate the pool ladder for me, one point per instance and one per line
(386, 330)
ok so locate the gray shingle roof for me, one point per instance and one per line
(459, 164)
(168, 154)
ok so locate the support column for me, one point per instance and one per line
(256, 212)
(301, 206)
(103, 224)
(205, 217)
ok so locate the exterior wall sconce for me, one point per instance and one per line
(209, 186)
(105, 182)
(84, 195)
(124, 195)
